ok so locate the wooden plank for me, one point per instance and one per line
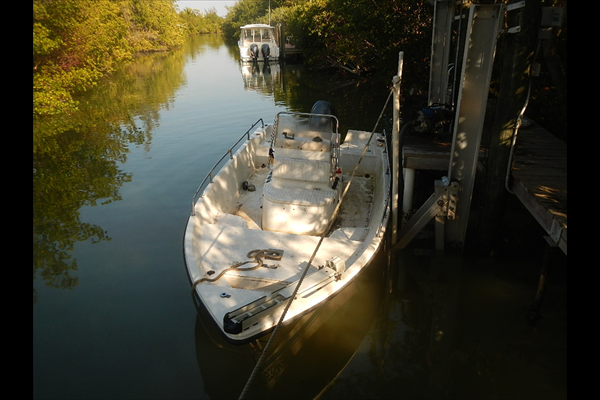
(424, 152)
(540, 180)
(432, 155)
(539, 174)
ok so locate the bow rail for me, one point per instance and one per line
(209, 177)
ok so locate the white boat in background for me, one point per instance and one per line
(258, 42)
(289, 219)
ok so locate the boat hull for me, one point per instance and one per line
(245, 294)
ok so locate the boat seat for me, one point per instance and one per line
(275, 192)
(303, 143)
(296, 209)
(302, 169)
(307, 155)
(297, 196)
(290, 137)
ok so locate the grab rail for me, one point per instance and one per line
(335, 144)
(230, 152)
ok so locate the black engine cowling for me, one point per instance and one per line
(254, 51)
(322, 123)
(266, 51)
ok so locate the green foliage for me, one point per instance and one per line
(197, 23)
(76, 42)
(251, 12)
(154, 25)
(356, 36)
(363, 36)
(242, 13)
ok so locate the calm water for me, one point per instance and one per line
(113, 317)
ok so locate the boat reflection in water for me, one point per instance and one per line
(316, 347)
(261, 75)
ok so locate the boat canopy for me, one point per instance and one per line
(258, 33)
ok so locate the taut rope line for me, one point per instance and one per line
(312, 257)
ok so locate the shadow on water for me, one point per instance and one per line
(456, 327)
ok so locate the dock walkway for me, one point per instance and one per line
(539, 180)
(538, 177)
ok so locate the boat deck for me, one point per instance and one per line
(250, 203)
(351, 213)
(244, 274)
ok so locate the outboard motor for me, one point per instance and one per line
(322, 123)
(266, 51)
(254, 51)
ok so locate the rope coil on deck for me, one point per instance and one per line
(256, 255)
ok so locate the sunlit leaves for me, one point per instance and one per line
(154, 25)
(75, 42)
(43, 41)
(363, 36)
(196, 22)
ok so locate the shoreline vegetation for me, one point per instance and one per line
(78, 42)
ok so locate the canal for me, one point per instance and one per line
(113, 317)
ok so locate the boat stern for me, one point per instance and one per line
(258, 42)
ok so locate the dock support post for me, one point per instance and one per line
(485, 21)
(534, 311)
(440, 205)
(281, 42)
(396, 146)
(408, 192)
(443, 16)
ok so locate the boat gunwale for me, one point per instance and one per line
(378, 230)
(229, 152)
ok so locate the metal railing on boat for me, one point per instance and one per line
(209, 177)
(335, 142)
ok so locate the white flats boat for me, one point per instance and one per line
(291, 217)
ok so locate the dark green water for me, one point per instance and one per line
(113, 317)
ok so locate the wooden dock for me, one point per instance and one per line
(538, 177)
(287, 48)
(289, 51)
(539, 180)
